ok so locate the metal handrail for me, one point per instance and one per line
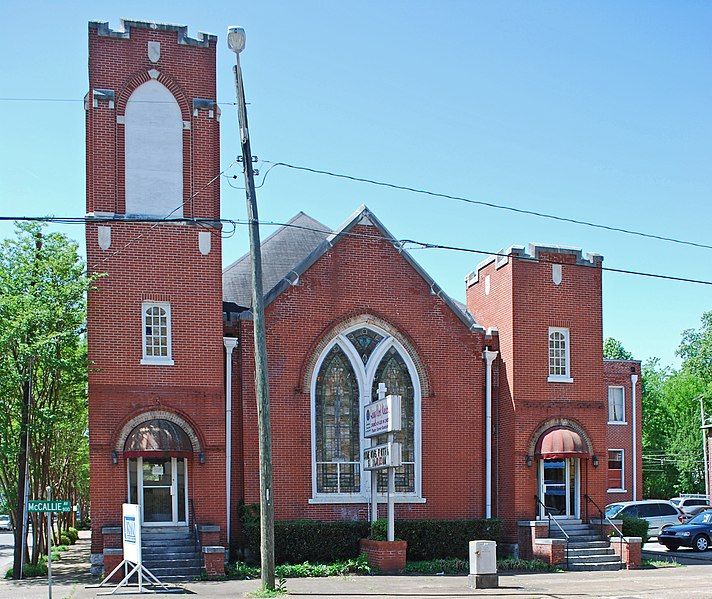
(197, 543)
(561, 528)
(605, 517)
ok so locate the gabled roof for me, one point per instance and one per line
(298, 248)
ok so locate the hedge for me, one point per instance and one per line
(634, 527)
(298, 541)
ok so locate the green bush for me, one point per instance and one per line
(634, 527)
(438, 539)
(73, 534)
(64, 539)
(438, 566)
(510, 564)
(298, 541)
(379, 530)
(32, 570)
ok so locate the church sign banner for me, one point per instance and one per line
(382, 416)
(383, 456)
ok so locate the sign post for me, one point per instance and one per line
(48, 507)
(383, 416)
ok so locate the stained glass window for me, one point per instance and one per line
(337, 426)
(393, 372)
(365, 341)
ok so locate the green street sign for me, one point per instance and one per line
(44, 505)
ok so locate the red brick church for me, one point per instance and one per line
(507, 402)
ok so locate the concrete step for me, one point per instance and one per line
(588, 544)
(582, 539)
(593, 559)
(167, 543)
(176, 536)
(609, 566)
(169, 553)
(583, 551)
(176, 564)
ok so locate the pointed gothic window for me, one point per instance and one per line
(365, 341)
(393, 372)
(338, 460)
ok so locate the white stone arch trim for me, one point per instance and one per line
(364, 376)
(377, 324)
(560, 422)
(157, 415)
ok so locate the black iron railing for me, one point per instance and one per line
(194, 524)
(547, 512)
(602, 517)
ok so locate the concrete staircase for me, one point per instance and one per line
(171, 553)
(587, 550)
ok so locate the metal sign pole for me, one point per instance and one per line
(49, 545)
(391, 497)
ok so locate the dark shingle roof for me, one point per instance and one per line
(281, 252)
(291, 250)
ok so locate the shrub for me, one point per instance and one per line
(73, 534)
(379, 530)
(634, 527)
(298, 541)
(64, 539)
(438, 539)
(438, 566)
(32, 570)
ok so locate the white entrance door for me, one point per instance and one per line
(559, 487)
(160, 486)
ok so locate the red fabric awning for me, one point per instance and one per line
(560, 442)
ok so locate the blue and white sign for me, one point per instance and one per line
(382, 416)
(131, 525)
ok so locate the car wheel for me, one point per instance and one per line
(701, 543)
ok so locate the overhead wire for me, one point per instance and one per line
(488, 204)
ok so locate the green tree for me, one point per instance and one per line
(42, 319)
(614, 350)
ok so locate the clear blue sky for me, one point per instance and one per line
(598, 111)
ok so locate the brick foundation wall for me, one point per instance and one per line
(629, 550)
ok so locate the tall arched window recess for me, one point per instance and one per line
(345, 379)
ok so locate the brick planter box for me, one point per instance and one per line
(385, 556)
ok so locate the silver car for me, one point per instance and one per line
(658, 512)
(5, 523)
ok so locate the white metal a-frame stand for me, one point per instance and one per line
(131, 569)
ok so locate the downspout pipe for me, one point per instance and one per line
(634, 433)
(230, 344)
(489, 357)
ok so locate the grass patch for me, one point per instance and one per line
(510, 564)
(279, 589)
(654, 564)
(31, 570)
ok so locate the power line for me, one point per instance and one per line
(490, 204)
(77, 100)
(398, 243)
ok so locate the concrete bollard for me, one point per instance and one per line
(483, 565)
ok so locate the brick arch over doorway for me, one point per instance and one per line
(157, 415)
(560, 422)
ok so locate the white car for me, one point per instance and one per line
(5, 523)
(658, 512)
(686, 503)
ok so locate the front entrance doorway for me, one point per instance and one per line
(160, 487)
(559, 487)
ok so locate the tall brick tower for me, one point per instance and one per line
(156, 395)
(551, 413)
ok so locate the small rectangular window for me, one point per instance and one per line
(616, 405)
(559, 355)
(156, 324)
(615, 469)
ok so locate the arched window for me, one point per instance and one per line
(393, 372)
(558, 354)
(153, 129)
(337, 426)
(346, 378)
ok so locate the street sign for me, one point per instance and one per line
(383, 456)
(382, 416)
(46, 505)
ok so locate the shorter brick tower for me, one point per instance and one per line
(156, 395)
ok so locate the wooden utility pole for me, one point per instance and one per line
(236, 41)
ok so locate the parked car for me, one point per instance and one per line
(696, 511)
(5, 523)
(696, 534)
(658, 512)
(687, 502)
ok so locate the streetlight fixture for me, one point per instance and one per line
(236, 43)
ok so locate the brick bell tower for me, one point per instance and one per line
(156, 395)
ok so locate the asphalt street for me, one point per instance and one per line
(6, 549)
